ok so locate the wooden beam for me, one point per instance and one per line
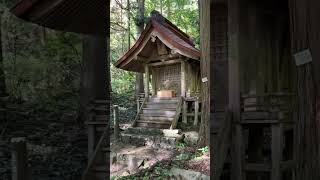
(164, 57)
(175, 61)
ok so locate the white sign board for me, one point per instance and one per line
(303, 57)
(205, 79)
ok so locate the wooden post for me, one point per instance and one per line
(146, 82)
(184, 111)
(19, 159)
(183, 78)
(91, 140)
(138, 103)
(115, 121)
(196, 111)
(234, 85)
(276, 151)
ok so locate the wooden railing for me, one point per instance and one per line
(139, 111)
(178, 112)
(140, 98)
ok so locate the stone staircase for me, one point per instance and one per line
(153, 137)
(161, 113)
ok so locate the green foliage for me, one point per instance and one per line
(201, 151)
(204, 149)
(41, 66)
(181, 145)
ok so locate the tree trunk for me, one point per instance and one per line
(2, 75)
(95, 73)
(140, 28)
(305, 32)
(204, 132)
(129, 27)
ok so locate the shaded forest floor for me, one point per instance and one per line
(159, 163)
(57, 143)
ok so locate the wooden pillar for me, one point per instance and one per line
(183, 78)
(115, 121)
(276, 151)
(91, 140)
(234, 86)
(95, 81)
(146, 80)
(19, 159)
(184, 111)
(196, 112)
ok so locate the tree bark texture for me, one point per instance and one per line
(204, 132)
(305, 34)
(140, 28)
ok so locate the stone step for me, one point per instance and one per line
(143, 131)
(154, 141)
(152, 125)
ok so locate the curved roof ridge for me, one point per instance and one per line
(168, 33)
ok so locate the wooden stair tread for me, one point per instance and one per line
(153, 122)
(156, 115)
(156, 118)
(163, 109)
(162, 102)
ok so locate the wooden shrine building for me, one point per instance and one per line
(171, 66)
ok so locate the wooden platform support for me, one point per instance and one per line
(184, 111)
(196, 112)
